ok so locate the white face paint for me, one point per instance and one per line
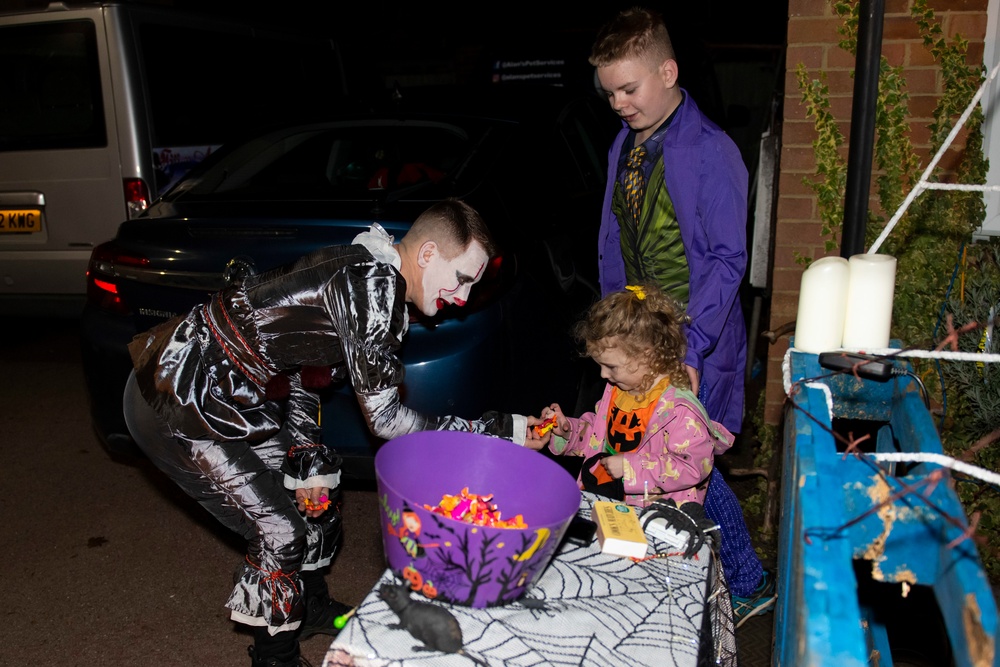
(449, 281)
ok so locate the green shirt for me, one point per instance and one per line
(652, 247)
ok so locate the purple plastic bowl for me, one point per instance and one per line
(458, 562)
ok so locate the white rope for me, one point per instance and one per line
(786, 380)
(922, 184)
(940, 459)
(977, 357)
(919, 457)
(962, 186)
(786, 371)
(948, 355)
(827, 393)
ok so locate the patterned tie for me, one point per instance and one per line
(635, 181)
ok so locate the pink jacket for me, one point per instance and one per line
(675, 456)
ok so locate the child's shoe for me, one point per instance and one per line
(761, 601)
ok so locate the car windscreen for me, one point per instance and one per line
(51, 87)
(375, 159)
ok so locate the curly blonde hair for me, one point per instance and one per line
(646, 324)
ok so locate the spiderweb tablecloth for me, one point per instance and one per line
(588, 609)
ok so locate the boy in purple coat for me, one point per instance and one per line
(675, 213)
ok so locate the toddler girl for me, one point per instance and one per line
(648, 437)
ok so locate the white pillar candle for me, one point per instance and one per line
(870, 292)
(819, 325)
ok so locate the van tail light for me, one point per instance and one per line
(103, 277)
(136, 196)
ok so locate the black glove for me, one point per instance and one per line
(688, 518)
(499, 424)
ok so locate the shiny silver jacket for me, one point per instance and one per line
(205, 373)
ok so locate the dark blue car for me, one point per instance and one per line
(531, 160)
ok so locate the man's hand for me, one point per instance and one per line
(318, 497)
(531, 439)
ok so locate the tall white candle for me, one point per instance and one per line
(870, 292)
(819, 325)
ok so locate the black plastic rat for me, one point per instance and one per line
(435, 626)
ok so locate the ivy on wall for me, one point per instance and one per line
(932, 242)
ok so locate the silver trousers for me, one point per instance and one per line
(241, 485)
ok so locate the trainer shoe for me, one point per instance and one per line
(761, 601)
(320, 615)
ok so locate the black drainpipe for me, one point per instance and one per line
(859, 155)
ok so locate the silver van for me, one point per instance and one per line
(105, 105)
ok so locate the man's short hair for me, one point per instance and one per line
(635, 33)
(453, 225)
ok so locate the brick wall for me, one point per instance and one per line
(812, 40)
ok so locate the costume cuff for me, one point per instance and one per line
(326, 481)
(311, 460)
(520, 427)
(557, 444)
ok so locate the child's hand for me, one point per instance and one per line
(615, 465)
(561, 424)
(313, 501)
(540, 429)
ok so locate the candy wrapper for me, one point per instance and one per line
(323, 504)
(546, 426)
(475, 509)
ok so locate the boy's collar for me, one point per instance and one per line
(657, 137)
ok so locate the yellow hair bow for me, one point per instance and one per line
(637, 290)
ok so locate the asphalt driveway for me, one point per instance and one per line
(105, 562)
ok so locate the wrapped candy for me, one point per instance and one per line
(323, 504)
(547, 425)
(475, 509)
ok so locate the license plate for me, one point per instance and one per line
(23, 220)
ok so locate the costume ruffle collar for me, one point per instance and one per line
(379, 244)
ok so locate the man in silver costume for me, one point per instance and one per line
(221, 401)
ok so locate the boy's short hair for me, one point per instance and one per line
(453, 225)
(637, 33)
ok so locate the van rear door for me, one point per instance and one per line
(58, 148)
(103, 108)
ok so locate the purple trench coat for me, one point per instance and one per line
(707, 182)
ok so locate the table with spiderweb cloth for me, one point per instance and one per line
(587, 608)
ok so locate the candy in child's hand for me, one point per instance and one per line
(547, 425)
(324, 503)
